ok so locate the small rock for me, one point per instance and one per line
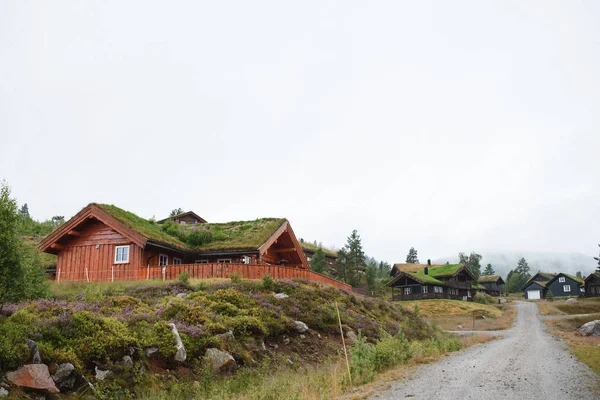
(181, 354)
(289, 360)
(34, 376)
(274, 345)
(592, 328)
(286, 341)
(262, 346)
(3, 392)
(319, 335)
(181, 295)
(131, 350)
(459, 326)
(300, 326)
(302, 337)
(571, 301)
(80, 296)
(150, 351)
(35, 352)
(127, 362)
(226, 337)
(281, 296)
(101, 375)
(220, 361)
(63, 372)
(351, 336)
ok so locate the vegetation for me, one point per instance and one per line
(351, 261)
(411, 257)
(318, 263)
(598, 259)
(314, 247)
(489, 270)
(518, 277)
(176, 211)
(439, 307)
(483, 298)
(21, 275)
(472, 262)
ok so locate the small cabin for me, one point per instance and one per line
(186, 218)
(591, 285)
(492, 284)
(536, 287)
(418, 282)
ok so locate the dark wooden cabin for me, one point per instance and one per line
(565, 285)
(186, 218)
(309, 250)
(419, 281)
(105, 243)
(591, 285)
(492, 284)
(536, 287)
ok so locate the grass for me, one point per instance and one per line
(445, 308)
(546, 307)
(581, 307)
(451, 323)
(314, 247)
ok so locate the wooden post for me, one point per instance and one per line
(87, 275)
(344, 343)
(112, 274)
(58, 276)
(148, 273)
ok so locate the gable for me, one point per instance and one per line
(535, 284)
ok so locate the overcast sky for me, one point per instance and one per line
(447, 126)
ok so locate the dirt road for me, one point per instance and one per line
(527, 363)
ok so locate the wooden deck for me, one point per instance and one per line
(198, 271)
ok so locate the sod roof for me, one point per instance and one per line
(407, 267)
(229, 236)
(313, 247)
(435, 274)
(488, 278)
(541, 283)
(576, 279)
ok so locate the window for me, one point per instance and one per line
(307, 258)
(224, 261)
(438, 289)
(567, 288)
(246, 259)
(468, 293)
(176, 261)
(182, 223)
(121, 254)
(424, 289)
(561, 279)
(163, 259)
(201, 262)
(406, 291)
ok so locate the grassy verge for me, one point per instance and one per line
(437, 308)
(465, 322)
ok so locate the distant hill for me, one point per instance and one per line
(502, 262)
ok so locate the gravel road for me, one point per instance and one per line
(527, 363)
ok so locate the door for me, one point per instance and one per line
(533, 294)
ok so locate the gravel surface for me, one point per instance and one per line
(527, 363)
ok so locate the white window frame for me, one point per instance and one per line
(566, 288)
(308, 258)
(224, 261)
(407, 291)
(122, 261)
(166, 256)
(468, 293)
(201, 262)
(246, 260)
(176, 261)
(561, 279)
(424, 289)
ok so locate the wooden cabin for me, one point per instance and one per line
(105, 243)
(309, 250)
(560, 285)
(536, 287)
(424, 281)
(186, 218)
(591, 285)
(492, 284)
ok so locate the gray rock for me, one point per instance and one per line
(351, 336)
(63, 372)
(286, 341)
(181, 295)
(181, 354)
(3, 392)
(127, 362)
(300, 326)
(302, 337)
(150, 351)
(592, 328)
(319, 335)
(262, 346)
(459, 326)
(68, 383)
(35, 352)
(220, 361)
(131, 350)
(33, 376)
(80, 296)
(281, 296)
(226, 337)
(274, 345)
(289, 360)
(101, 375)
(571, 301)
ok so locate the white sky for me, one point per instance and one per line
(447, 126)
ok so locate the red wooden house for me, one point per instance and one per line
(105, 243)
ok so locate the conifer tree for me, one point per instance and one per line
(598, 259)
(489, 270)
(355, 258)
(411, 257)
(318, 263)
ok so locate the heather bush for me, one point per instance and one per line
(483, 298)
(235, 278)
(184, 278)
(267, 283)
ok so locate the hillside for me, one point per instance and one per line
(503, 262)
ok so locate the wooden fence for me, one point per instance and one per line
(202, 271)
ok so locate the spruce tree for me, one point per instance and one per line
(24, 210)
(598, 259)
(318, 263)
(489, 270)
(523, 268)
(412, 258)
(355, 257)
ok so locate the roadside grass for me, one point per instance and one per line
(451, 323)
(445, 308)
(581, 307)
(546, 307)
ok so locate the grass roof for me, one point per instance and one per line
(408, 267)
(314, 247)
(488, 278)
(546, 275)
(541, 283)
(238, 235)
(147, 229)
(445, 270)
(576, 279)
(428, 279)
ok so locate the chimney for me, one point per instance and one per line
(427, 267)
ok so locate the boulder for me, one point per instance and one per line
(101, 375)
(3, 392)
(300, 326)
(181, 354)
(34, 376)
(571, 301)
(35, 352)
(150, 351)
(592, 328)
(63, 372)
(281, 296)
(351, 336)
(220, 361)
(226, 337)
(127, 362)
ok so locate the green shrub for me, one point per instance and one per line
(184, 278)
(391, 351)
(362, 361)
(201, 286)
(246, 325)
(549, 296)
(13, 351)
(236, 278)
(267, 283)
(483, 298)
(159, 335)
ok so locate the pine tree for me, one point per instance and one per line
(341, 265)
(370, 275)
(176, 211)
(24, 210)
(355, 257)
(598, 259)
(578, 274)
(318, 263)
(412, 258)
(489, 270)
(471, 262)
(523, 267)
